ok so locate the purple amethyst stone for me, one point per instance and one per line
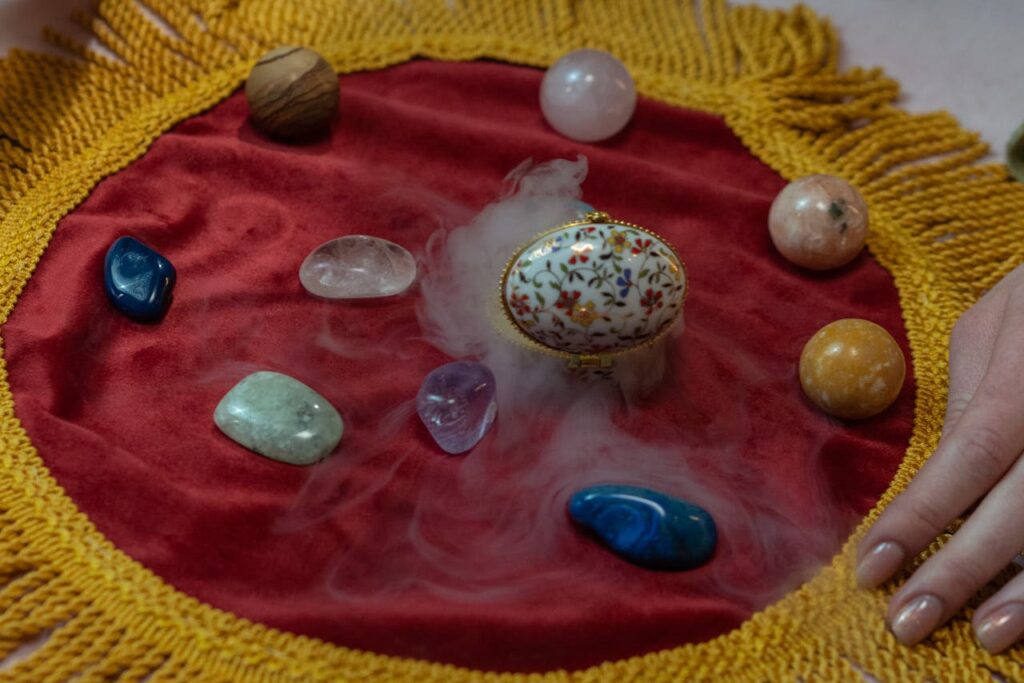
(457, 404)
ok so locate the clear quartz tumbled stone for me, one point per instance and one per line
(457, 405)
(357, 267)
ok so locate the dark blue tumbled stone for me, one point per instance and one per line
(646, 527)
(137, 279)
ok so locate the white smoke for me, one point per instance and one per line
(501, 529)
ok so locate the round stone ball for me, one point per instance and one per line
(819, 222)
(588, 95)
(292, 93)
(852, 369)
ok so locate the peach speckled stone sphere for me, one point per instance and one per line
(852, 369)
(819, 222)
(588, 95)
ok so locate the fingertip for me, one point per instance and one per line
(917, 619)
(879, 563)
(1002, 628)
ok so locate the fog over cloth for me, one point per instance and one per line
(390, 545)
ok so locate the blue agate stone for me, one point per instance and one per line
(648, 528)
(138, 280)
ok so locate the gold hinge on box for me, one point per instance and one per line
(589, 361)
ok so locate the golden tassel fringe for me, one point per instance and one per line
(945, 226)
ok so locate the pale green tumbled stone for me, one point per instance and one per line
(279, 417)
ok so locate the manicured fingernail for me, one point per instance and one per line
(1003, 628)
(879, 563)
(917, 619)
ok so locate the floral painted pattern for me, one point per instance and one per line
(595, 288)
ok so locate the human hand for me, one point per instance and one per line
(978, 461)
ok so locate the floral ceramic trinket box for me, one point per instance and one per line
(594, 289)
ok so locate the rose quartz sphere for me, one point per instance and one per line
(819, 222)
(588, 95)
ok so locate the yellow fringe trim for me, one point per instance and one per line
(946, 227)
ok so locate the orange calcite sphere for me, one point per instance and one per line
(852, 369)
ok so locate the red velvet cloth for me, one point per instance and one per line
(122, 412)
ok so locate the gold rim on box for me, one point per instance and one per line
(508, 326)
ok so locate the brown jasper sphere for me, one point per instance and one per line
(852, 369)
(292, 93)
(819, 222)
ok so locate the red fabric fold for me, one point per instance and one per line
(122, 412)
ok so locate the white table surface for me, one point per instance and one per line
(962, 56)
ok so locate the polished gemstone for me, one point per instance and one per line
(357, 267)
(588, 95)
(852, 369)
(279, 417)
(819, 222)
(138, 280)
(645, 527)
(292, 93)
(457, 404)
